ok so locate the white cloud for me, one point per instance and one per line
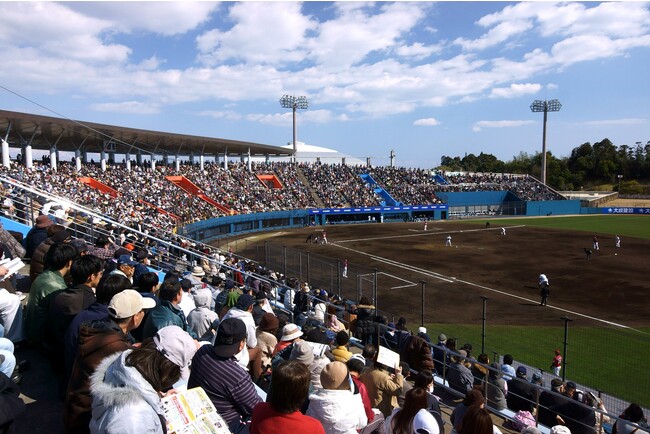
(263, 33)
(169, 19)
(417, 50)
(227, 115)
(478, 126)
(427, 122)
(495, 36)
(134, 107)
(515, 90)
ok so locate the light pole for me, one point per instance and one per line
(545, 107)
(294, 103)
(619, 183)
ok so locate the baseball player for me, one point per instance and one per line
(324, 238)
(448, 242)
(543, 286)
(425, 225)
(503, 231)
(345, 268)
(596, 243)
(617, 240)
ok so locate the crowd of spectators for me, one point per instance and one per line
(147, 197)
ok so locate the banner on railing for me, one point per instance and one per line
(362, 209)
(625, 210)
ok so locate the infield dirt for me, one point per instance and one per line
(482, 262)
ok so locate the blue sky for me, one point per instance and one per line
(425, 79)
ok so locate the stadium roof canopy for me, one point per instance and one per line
(44, 132)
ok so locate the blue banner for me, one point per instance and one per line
(625, 210)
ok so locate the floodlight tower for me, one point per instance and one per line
(294, 103)
(545, 106)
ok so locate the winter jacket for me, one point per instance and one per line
(123, 401)
(365, 326)
(33, 239)
(266, 342)
(37, 263)
(11, 405)
(341, 354)
(97, 340)
(415, 351)
(339, 411)
(163, 315)
(382, 389)
(41, 293)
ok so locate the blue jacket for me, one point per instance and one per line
(163, 315)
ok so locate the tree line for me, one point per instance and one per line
(588, 165)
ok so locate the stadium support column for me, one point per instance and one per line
(77, 160)
(566, 345)
(248, 160)
(424, 286)
(5, 153)
(102, 161)
(177, 164)
(392, 158)
(225, 158)
(153, 162)
(53, 158)
(484, 319)
(127, 161)
(29, 157)
(202, 162)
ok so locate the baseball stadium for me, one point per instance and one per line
(447, 251)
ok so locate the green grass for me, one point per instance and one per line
(606, 359)
(637, 226)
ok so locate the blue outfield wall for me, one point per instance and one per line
(553, 207)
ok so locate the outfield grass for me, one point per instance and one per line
(603, 358)
(637, 226)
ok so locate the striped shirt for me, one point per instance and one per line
(226, 383)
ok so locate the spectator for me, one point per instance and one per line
(281, 413)
(548, 400)
(11, 405)
(522, 395)
(497, 388)
(341, 352)
(55, 234)
(187, 303)
(634, 414)
(440, 354)
(414, 416)
(474, 398)
(365, 327)
(424, 380)
(201, 320)
(383, 388)
(167, 312)
(37, 234)
(477, 420)
(507, 369)
(11, 311)
(126, 387)
(59, 260)
(126, 267)
(480, 371)
(304, 353)
(106, 290)
(98, 340)
(339, 410)
(459, 376)
(266, 340)
(227, 384)
(290, 333)
(355, 367)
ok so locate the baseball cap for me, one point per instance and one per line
(127, 303)
(126, 260)
(422, 330)
(229, 335)
(521, 370)
(80, 245)
(571, 385)
(244, 301)
(175, 344)
(442, 337)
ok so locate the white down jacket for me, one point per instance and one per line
(339, 411)
(123, 401)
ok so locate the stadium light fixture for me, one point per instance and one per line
(539, 106)
(294, 103)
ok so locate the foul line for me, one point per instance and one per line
(389, 237)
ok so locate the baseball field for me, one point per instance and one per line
(602, 300)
